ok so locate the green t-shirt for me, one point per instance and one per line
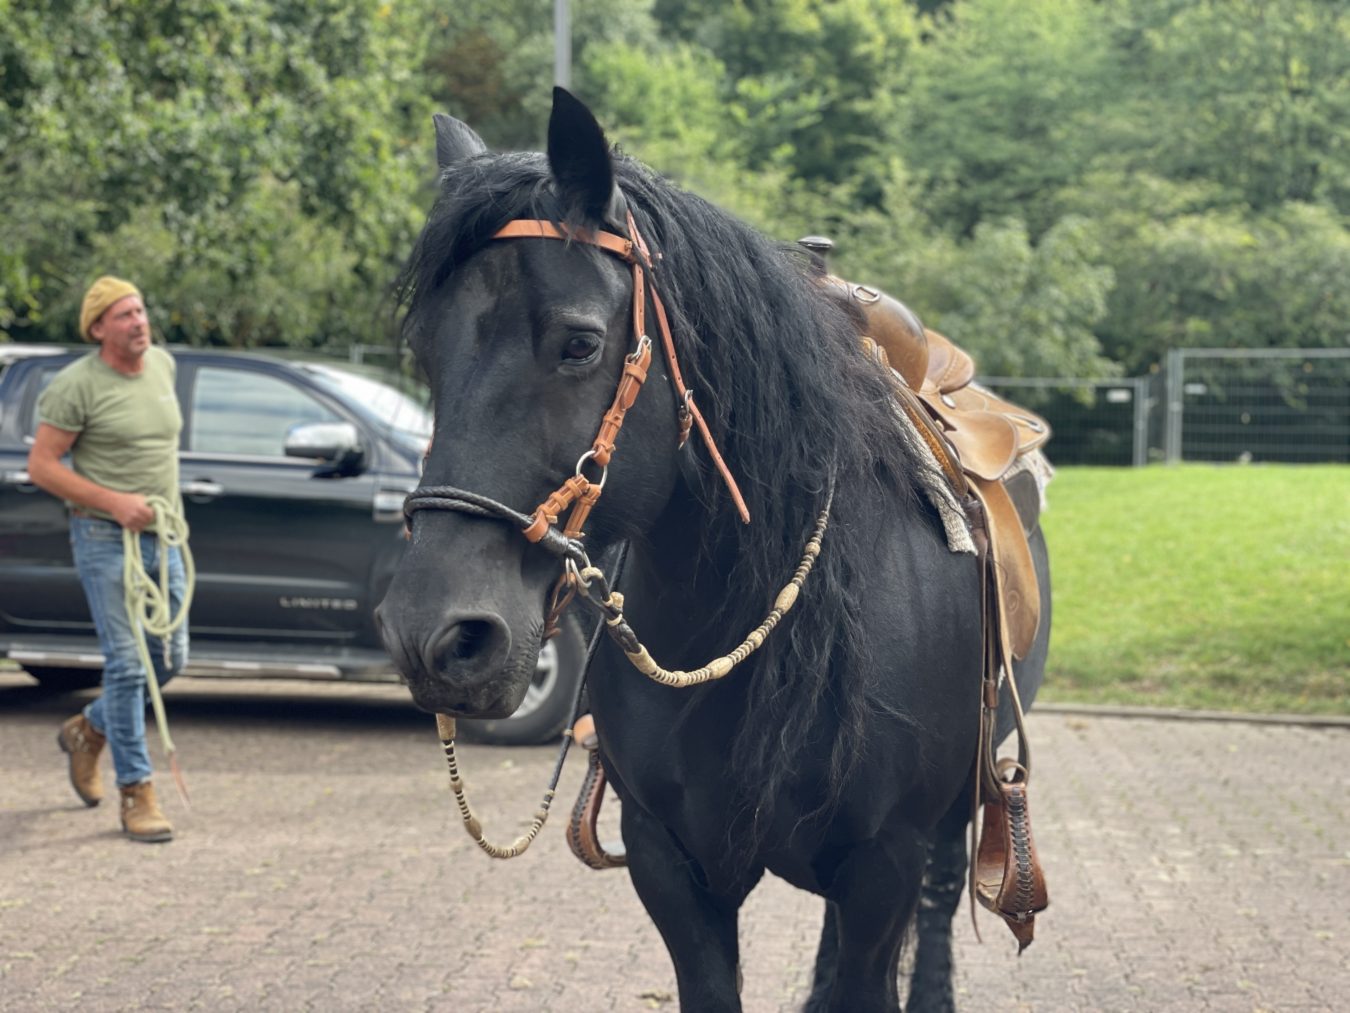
(128, 426)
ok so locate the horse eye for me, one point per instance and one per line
(581, 348)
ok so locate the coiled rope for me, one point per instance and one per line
(150, 609)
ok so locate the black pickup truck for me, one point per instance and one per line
(293, 476)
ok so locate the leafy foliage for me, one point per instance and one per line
(997, 117)
(210, 150)
(1068, 187)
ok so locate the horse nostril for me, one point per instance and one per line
(468, 639)
(464, 642)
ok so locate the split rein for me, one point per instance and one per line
(579, 575)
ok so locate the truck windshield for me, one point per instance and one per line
(382, 402)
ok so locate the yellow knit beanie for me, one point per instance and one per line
(102, 294)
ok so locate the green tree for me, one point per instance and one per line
(490, 62)
(998, 115)
(1253, 95)
(811, 85)
(694, 143)
(1204, 141)
(1021, 309)
(162, 140)
(1225, 279)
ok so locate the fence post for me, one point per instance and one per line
(1173, 390)
(1141, 407)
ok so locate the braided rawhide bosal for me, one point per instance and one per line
(445, 727)
(611, 604)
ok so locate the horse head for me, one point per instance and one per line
(524, 340)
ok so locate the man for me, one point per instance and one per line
(115, 412)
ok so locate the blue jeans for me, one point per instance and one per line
(119, 713)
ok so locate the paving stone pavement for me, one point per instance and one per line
(1192, 866)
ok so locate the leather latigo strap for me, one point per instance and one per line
(546, 514)
(580, 492)
(975, 438)
(630, 385)
(1018, 588)
(1005, 871)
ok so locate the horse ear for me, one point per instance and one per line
(578, 154)
(455, 140)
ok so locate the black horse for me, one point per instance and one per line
(839, 755)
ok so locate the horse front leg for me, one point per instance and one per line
(872, 898)
(698, 926)
(827, 955)
(930, 983)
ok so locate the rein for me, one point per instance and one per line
(581, 493)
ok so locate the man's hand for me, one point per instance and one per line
(130, 510)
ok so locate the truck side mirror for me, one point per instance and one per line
(334, 444)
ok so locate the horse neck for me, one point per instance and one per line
(676, 591)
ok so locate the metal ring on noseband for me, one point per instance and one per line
(577, 573)
(604, 468)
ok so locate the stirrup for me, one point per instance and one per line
(1008, 877)
(582, 836)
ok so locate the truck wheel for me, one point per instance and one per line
(547, 706)
(65, 680)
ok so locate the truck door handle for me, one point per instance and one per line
(21, 479)
(201, 489)
(388, 506)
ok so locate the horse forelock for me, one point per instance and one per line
(476, 197)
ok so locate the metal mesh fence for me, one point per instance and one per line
(1290, 405)
(1286, 405)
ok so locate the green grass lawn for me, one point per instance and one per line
(1206, 587)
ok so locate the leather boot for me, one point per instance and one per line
(80, 741)
(142, 818)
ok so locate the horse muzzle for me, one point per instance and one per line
(464, 664)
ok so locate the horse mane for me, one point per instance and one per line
(776, 371)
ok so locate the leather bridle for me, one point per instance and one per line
(579, 491)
